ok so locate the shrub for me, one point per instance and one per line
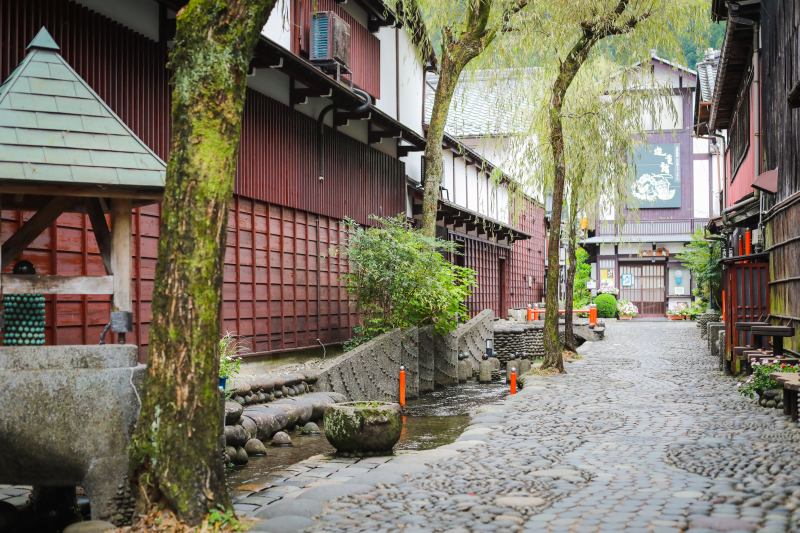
(606, 306)
(624, 307)
(608, 290)
(400, 278)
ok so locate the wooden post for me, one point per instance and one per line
(121, 261)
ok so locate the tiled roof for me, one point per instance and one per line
(485, 103)
(54, 128)
(707, 74)
(610, 239)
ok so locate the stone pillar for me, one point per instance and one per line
(464, 370)
(485, 372)
(523, 367)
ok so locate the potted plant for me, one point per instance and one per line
(679, 312)
(363, 428)
(626, 310)
(229, 348)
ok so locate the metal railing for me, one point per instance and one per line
(675, 226)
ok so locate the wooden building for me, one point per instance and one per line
(753, 114)
(282, 290)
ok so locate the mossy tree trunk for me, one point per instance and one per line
(612, 23)
(456, 54)
(174, 459)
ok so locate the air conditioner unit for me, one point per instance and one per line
(330, 39)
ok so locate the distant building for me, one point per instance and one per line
(674, 192)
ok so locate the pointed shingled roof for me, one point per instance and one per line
(54, 128)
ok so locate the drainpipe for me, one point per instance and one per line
(321, 125)
(741, 205)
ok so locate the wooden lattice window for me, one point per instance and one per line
(740, 133)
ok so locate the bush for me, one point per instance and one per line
(606, 306)
(399, 278)
(760, 380)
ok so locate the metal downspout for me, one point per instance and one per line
(321, 126)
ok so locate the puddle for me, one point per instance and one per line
(434, 419)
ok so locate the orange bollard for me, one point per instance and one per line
(747, 242)
(513, 381)
(530, 313)
(593, 315)
(402, 386)
(536, 314)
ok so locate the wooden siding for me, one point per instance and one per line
(527, 259)
(278, 164)
(280, 290)
(780, 71)
(277, 301)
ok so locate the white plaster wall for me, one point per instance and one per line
(606, 249)
(503, 208)
(700, 168)
(411, 78)
(700, 146)
(461, 183)
(139, 15)
(447, 174)
(388, 100)
(278, 26)
(634, 248)
(472, 189)
(715, 183)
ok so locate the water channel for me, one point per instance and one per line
(435, 419)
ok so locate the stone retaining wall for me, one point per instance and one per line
(426, 358)
(410, 360)
(368, 372)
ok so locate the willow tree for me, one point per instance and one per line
(467, 29)
(175, 462)
(569, 37)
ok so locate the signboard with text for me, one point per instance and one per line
(658, 177)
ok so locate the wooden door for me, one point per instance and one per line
(648, 291)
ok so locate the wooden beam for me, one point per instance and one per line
(403, 151)
(101, 233)
(66, 190)
(21, 284)
(34, 227)
(343, 118)
(121, 261)
(301, 96)
(376, 137)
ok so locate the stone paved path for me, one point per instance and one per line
(643, 435)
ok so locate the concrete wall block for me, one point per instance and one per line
(410, 360)
(426, 358)
(368, 372)
(472, 336)
(445, 359)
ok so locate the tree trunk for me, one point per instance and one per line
(572, 267)
(174, 457)
(456, 54)
(567, 72)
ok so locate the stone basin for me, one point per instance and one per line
(67, 414)
(363, 427)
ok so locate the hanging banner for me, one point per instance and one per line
(658, 177)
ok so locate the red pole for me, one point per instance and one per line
(536, 314)
(593, 315)
(402, 386)
(513, 381)
(747, 242)
(530, 313)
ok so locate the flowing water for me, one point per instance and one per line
(435, 419)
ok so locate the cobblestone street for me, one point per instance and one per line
(643, 434)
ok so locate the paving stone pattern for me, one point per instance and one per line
(643, 435)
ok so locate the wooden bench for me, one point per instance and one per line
(790, 381)
(747, 326)
(778, 333)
